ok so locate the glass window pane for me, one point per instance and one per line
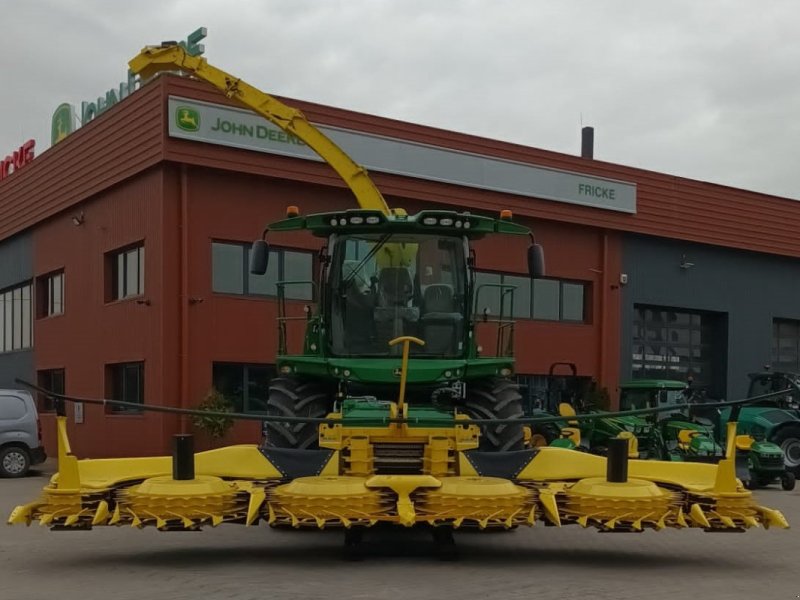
(132, 273)
(119, 292)
(545, 299)
(487, 297)
(298, 266)
(58, 300)
(9, 310)
(521, 295)
(227, 265)
(258, 378)
(228, 380)
(2, 322)
(572, 295)
(265, 284)
(17, 319)
(26, 317)
(140, 289)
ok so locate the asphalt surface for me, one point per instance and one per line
(233, 562)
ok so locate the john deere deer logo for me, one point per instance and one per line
(187, 118)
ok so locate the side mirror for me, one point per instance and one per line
(259, 257)
(536, 260)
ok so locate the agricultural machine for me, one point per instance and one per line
(682, 434)
(776, 419)
(390, 414)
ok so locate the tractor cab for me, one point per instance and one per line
(768, 382)
(652, 393)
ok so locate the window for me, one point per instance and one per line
(786, 345)
(127, 273)
(246, 386)
(125, 382)
(230, 266)
(53, 380)
(544, 299)
(676, 344)
(50, 295)
(15, 318)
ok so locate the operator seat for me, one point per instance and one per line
(442, 324)
(393, 316)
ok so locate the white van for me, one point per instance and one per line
(20, 433)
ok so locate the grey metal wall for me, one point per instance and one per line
(16, 266)
(751, 288)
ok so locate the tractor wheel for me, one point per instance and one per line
(788, 481)
(497, 398)
(290, 397)
(788, 438)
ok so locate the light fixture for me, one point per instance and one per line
(78, 220)
(684, 264)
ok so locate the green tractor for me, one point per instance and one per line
(388, 276)
(775, 419)
(697, 435)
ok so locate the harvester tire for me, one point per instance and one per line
(497, 398)
(290, 397)
(788, 438)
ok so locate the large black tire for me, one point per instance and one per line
(290, 397)
(496, 398)
(788, 438)
(14, 461)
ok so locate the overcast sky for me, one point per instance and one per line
(703, 89)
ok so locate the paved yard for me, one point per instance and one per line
(259, 563)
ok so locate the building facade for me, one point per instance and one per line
(123, 253)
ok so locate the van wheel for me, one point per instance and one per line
(14, 461)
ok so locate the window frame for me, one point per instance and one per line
(15, 311)
(585, 285)
(118, 369)
(45, 296)
(245, 367)
(114, 258)
(281, 252)
(45, 379)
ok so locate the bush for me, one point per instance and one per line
(215, 426)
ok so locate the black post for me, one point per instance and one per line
(182, 457)
(617, 462)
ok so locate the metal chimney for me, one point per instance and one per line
(587, 142)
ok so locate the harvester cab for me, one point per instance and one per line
(386, 276)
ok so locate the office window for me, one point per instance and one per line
(246, 386)
(53, 380)
(127, 273)
(15, 318)
(125, 382)
(230, 267)
(786, 345)
(50, 295)
(544, 299)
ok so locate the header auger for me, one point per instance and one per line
(391, 414)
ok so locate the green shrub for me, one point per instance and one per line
(215, 426)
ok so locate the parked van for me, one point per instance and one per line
(20, 434)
